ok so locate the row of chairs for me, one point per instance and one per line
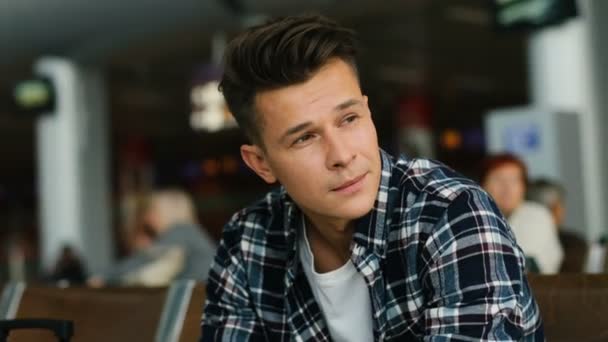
(169, 314)
(574, 308)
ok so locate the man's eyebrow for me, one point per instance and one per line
(300, 127)
(346, 104)
(295, 129)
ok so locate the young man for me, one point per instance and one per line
(356, 245)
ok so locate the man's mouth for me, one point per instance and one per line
(350, 183)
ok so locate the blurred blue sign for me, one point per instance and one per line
(522, 138)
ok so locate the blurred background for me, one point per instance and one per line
(102, 102)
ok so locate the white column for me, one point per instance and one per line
(73, 166)
(562, 78)
(597, 12)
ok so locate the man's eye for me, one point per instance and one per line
(303, 139)
(351, 118)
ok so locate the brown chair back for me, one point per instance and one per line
(574, 307)
(191, 330)
(112, 314)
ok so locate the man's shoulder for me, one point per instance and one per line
(257, 219)
(256, 240)
(426, 193)
(431, 178)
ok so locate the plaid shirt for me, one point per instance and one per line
(438, 258)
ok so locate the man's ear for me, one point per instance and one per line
(255, 158)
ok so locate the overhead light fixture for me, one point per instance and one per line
(34, 96)
(209, 110)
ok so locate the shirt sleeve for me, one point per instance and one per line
(474, 275)
(228, 313)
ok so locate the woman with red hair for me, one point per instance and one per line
(504, 177)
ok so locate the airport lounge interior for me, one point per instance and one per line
(123, 171)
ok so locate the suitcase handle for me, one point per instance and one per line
(63, 329)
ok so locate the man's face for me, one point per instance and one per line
(506, 185)
(558, 210)
(321, 144)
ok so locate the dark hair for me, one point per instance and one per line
(546, 192)
(494, 162)
(279, 53)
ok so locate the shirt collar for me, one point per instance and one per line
(370, 230)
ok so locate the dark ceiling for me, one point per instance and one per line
(150, 48)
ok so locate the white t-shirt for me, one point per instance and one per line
(343, 297)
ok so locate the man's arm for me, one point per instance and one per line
(228, 313)
(475, 277)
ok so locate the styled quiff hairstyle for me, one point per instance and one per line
(279, 53)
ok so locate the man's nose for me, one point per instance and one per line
(339, 153)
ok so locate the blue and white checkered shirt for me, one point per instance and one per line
(439, 260)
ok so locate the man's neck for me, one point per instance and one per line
(330, 243)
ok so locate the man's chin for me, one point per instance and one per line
(353, 211)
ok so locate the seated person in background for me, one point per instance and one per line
(504, 176)
(69, 269)
(180, 249)
(355, 245)
(552, 196)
